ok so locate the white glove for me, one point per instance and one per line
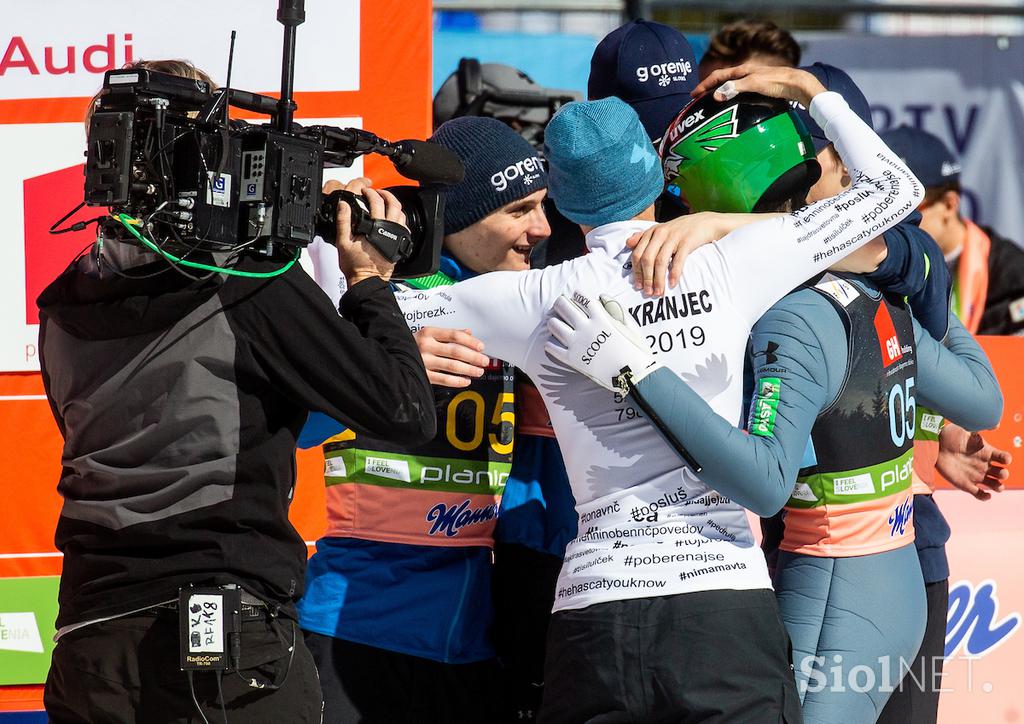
(598, 340)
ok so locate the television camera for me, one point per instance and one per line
(178, 175)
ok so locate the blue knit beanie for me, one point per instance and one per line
(603, 166)
(501, 167)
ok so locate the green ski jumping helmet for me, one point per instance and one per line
(750, 153)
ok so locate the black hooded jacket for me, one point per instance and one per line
(180, 402)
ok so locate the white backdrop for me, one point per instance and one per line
(54, 53)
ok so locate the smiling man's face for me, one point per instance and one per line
(502, 240)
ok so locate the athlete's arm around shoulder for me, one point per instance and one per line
(956, 378)
(502, 309)
(764, 261)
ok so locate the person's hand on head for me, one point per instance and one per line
(357, 257)
(775, 81)
(970, 463)
(453, 357)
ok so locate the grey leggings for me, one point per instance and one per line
(855, 624)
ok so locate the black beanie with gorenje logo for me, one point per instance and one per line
(501, 167)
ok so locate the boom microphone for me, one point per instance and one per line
(427, 162)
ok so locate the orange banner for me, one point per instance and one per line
(388, 91)
(1006, 354)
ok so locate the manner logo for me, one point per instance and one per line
(900, 518)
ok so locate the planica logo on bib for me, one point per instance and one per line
(430, 474)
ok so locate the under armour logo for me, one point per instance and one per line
(643, 154)
(770, 357)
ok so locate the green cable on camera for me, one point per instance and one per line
(129, 223)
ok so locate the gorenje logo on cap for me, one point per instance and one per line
(528, 169)
(665, 72)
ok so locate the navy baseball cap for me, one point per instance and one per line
(925, 154)
(648, 65)
(836, 80)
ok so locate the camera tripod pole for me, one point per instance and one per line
(291, 14)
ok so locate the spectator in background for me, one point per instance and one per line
(749, 41)
(987, 269)
(988, 274)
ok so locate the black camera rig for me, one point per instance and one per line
(179, 176)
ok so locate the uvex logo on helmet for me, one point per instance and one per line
(679, 67)
(707, 137)
(528, 169)
(688, 121)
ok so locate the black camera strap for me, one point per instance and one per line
(389, 237)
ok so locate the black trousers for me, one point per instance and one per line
(916, 699)
(524, 591)
(127, 670)
(717, 657)
(367, 685)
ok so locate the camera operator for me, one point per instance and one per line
(179, 399)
